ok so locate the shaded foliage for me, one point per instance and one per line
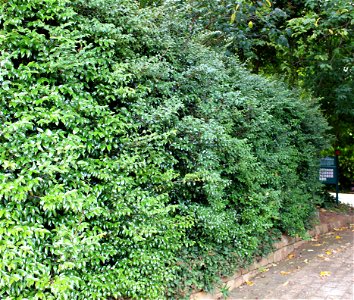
(306, 43)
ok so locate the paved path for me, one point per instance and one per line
(345, 198)
(322, 269)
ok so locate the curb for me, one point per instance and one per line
(282, 249)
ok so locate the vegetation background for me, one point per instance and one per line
(308, 44)
(139, 158)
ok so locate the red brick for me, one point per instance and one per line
(289, 249)
(252, 267)
(249, 275)
(318, 229)
(262, 263)
(279, 254)
(312, 232)
(324, 228)
(234, 283)
(235, 275)
(298, 244)
(291, 240)
(283, 242)
(201, 296)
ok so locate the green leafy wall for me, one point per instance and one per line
(135, 162)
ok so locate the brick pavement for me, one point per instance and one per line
(320, 269)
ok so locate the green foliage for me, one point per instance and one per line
(85, 212)
(255, 173)
(134, 161)
(324, 50)
(306, 43)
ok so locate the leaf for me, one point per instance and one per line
(284, 273)
(291, 256)
(340, 229)
(263, 269)
(338, 237)
(250, 283)
(328, 252)
(325, 273)
(286, 283)
(233, 17)
(321, 256)
(269, 3)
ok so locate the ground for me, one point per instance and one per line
(323, 268)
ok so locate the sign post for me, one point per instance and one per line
(329, 172)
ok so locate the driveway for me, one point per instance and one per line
(345, 198)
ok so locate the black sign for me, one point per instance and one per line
(328, 170)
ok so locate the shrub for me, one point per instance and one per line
(85, 212)
(135, 162)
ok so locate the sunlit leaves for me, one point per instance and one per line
(325, 273)
(82, 190)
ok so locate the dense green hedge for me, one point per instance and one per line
(135, 162)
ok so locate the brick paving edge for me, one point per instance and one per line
(283, 248)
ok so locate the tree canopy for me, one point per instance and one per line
(309, 44)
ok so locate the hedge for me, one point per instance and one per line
(136, 162)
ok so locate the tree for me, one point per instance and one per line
(322, 51)
(307, 43)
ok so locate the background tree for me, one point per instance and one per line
(307, 43)
(322, 49)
